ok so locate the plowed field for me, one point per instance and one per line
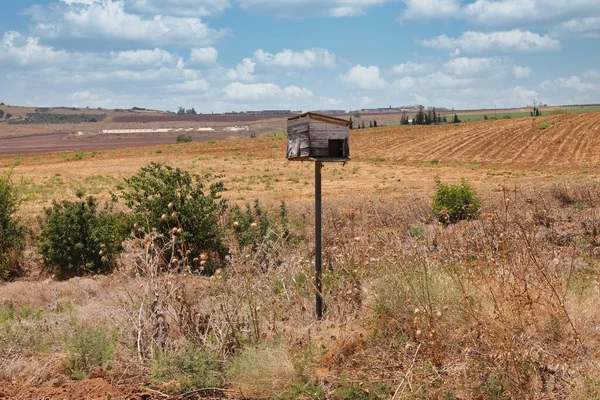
(561, 141)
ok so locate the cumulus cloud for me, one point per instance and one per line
(244, 71)
(143, 57)
(109, 19)
(471, 67)
(516, 40)
(197, 85)
(204, 55)
(188, 8)
(574, 83)
(262, 91)
(518, 12)
(521, 72)
(18, 49)
(412, 68)
(367, 78)
(418, 10)
(309, 58)
(588, 27)
(311, 8)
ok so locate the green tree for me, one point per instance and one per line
(456, 120)
(181, 111)
(374, 123)
(370, 123)
(351, 123)
(1, 114)
(434, 117)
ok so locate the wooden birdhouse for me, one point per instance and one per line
(318, 137)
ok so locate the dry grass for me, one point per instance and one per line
(500, 307)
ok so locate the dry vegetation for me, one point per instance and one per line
(496, 308)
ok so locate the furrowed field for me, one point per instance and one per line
(501, 306)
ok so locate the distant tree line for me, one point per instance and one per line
(361, 125)
(183, 111)
(426, 118)
(47, 118)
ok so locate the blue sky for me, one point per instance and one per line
(223, 55)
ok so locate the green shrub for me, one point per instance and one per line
(453, 203)
(1, 114)
(78, 238)
(186, 369)
(12, 231)
(184, 138)
(259, 232)
(166, 198)
(89, 348)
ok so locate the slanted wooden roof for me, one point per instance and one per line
(322, 117)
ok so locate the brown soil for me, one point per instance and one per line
(90, 389)
(64, 141)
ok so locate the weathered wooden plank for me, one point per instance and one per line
(322, 125)
(319, 152)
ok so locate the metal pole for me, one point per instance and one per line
(318, 255)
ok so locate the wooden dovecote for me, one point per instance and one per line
(318, 137)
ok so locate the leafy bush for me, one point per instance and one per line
(186, 369)
(12, 231)
(453, 203)
(181, 207)
(184, 138)
(89, 348)
(1, 114)
(258, 232)
(77, 237)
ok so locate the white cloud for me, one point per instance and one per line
(412, 68)
(366, 100)
(262, 91)
(204, 55)
(244, 71)
(419, 10)
(521, 72)
(574, 83)
(519, 12)
(592, 74)
(198, 85)
(309, 58)
(311, 8)
(108, 19)
(516, 40)
(331, 101)
(143, 57)
(471, 67)
(188, 8)
(367, 78)
(588, 27)
(18, 49)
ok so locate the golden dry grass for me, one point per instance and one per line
(501, 307)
